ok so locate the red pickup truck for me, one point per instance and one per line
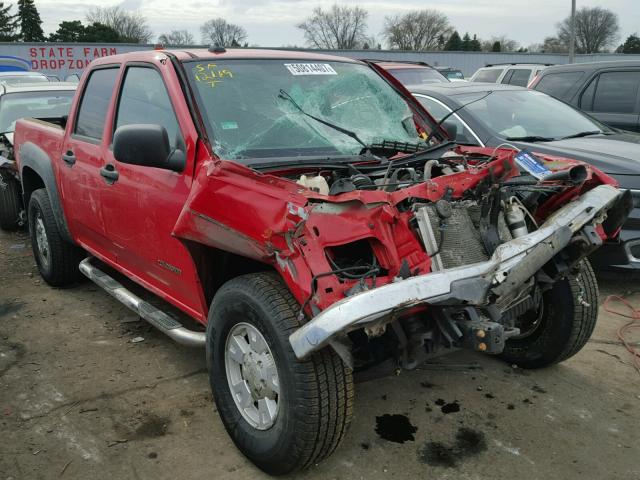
(316, 222)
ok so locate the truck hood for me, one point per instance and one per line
(614, 154)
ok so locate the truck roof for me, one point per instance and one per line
(229, 53)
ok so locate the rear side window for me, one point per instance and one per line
(95, 103)
(517, 76)
(558, 84)
(489, 75)
(144, 99)
(616, 92)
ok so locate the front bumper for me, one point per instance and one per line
(511, 265)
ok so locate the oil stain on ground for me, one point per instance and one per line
(151, 426)
(445, 407)
(468, 443)
(395, 428)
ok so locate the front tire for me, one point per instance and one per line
(56, 258)
(570, 311)
(10, 203)
(283, 423)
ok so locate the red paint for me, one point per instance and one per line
(148, 214)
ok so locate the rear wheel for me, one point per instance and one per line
(563, 325)
(10, 203)
(56, 258)
(284, 414)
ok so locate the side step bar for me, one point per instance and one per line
(148, 312)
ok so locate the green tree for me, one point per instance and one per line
(475, 45)
(465, 45)
(454, 43)
(8, 24)
(496, 47)
(99, 33)
(631, 44)
(68, 31)
(30, 22)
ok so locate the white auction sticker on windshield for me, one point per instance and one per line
(310, 69)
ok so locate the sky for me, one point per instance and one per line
(272, 23)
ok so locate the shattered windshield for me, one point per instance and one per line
(266, 108)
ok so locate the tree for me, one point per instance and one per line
(631, 44)
(474, 44)
(496, 47)
(68, 31)
(130, 27)
(417, 30)
(595, 28)
(30, 22)
(454, 43)
(8, 24)
(176, 37)
(506, 44)
(99, 33)
(336, 28)
(465, 45)
(222, 33)
(554, 45)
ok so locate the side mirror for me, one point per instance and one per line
(146, 145)
(452, 129)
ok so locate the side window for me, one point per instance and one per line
(586, 100)
(489, 75)
(144, 99)
(507, 76)
(616, 92)
(519, 77)
(439, 111)
(95, 103)
(558, 84)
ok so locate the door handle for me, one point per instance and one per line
(69, 158)
(109, 173)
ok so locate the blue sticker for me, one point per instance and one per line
(532, 164)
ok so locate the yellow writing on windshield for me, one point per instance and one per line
(211, 74)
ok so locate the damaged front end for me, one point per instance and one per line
(413, 256)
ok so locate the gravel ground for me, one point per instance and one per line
(79, 399)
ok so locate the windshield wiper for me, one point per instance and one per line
(285, 95)
(530, 138)
(583, 134)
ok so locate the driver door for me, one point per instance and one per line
(141, 204)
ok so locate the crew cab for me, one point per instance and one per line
(310, 215)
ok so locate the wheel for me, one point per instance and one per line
(284, 414)
(56, 258)
(10, 203)
(562, 325)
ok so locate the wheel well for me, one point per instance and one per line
(215, 267)
(31, 182)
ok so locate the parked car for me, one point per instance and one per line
(22, 77)
(39, 100)
(519, 74)
(452, 74)
(532, 120)
(412, 73)
(608, 91)
(290, 204)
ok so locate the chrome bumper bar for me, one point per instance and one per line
(470, 282)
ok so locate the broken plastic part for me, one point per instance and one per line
(317, 184)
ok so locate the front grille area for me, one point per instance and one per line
(459, 243)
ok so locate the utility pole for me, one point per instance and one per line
(572, 33)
